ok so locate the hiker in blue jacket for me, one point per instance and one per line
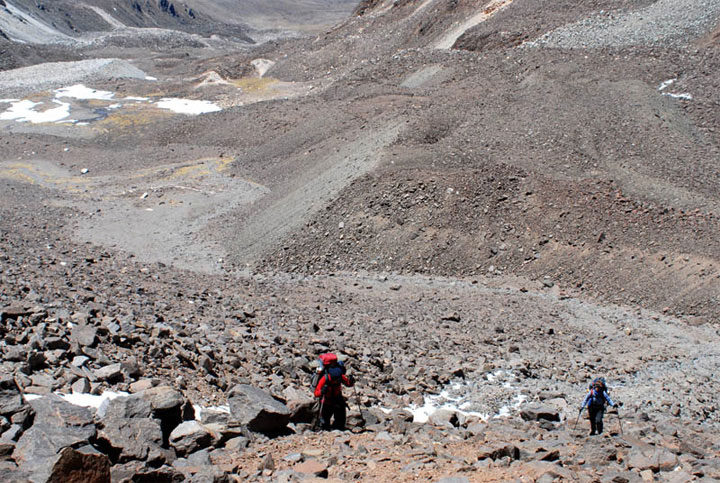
(595, 401)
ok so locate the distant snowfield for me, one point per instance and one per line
(39, 112)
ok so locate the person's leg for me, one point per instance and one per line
(592, 413)
(599, 420)
(340, 414)
(326, 414)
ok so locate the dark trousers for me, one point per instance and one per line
(596, 414)
(333, 408)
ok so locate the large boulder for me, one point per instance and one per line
(301, 405)
(133, 406)
(131, 439)
(537, 412)
(11, 400)
(58, 424)
(257, 410)
(190, 436)
(80, 466)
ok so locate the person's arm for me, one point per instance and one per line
(348, 381)
(319, 388)
(607, 398)
(586, 401)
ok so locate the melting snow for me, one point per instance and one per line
(665, 84)
(27, 110)
(686, 96)
(24, 111)
(187, 106)
(79, 91)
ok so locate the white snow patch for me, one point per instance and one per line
(79, 91)
(150, 78)
(138, 99)
(665, 84)
(685, 96)
(81, 399)
(8, 101)
(24, 111)
(187, 106)
(199, 410)
(91, 400)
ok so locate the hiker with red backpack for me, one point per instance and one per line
(328, 384)
(595, 401)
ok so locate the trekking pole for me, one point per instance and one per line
(619, 420)
(578, 419)
(357, 401)
(319, 413)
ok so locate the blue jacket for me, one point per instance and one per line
(594, 399)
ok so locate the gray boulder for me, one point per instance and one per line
(257, 410)
(537, 412)
(131, 439)
(58, 424)
(11, 400)
(86, 466)
(190, 436)
(134, 406)
(300, 404)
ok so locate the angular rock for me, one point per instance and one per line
(444, 418)
(257, 410)
(163, 398)
(110, 373)
(301, 405)
(11, 400)
(497, 452)
(134, 406)
(81, 386)
(85, 335)
(312, 467)
(190, 436)
(537, 412)
(130, 439)
(57, 424)
(77, 466)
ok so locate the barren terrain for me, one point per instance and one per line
(482, 205)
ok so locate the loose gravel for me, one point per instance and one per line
(53, 75)
(666, 22)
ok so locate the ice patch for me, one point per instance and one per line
(24, 111)
(79, 91)
(685, 96)
(665, 84)
(187, 106)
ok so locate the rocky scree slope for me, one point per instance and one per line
(565, 165)
(83, 319)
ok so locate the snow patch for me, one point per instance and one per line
(685, 96)
(24, 111)
(187, 106)
(91, 400)
(665, 84)
(199, 410)
(79, 91)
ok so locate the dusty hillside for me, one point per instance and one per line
(483, 205)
